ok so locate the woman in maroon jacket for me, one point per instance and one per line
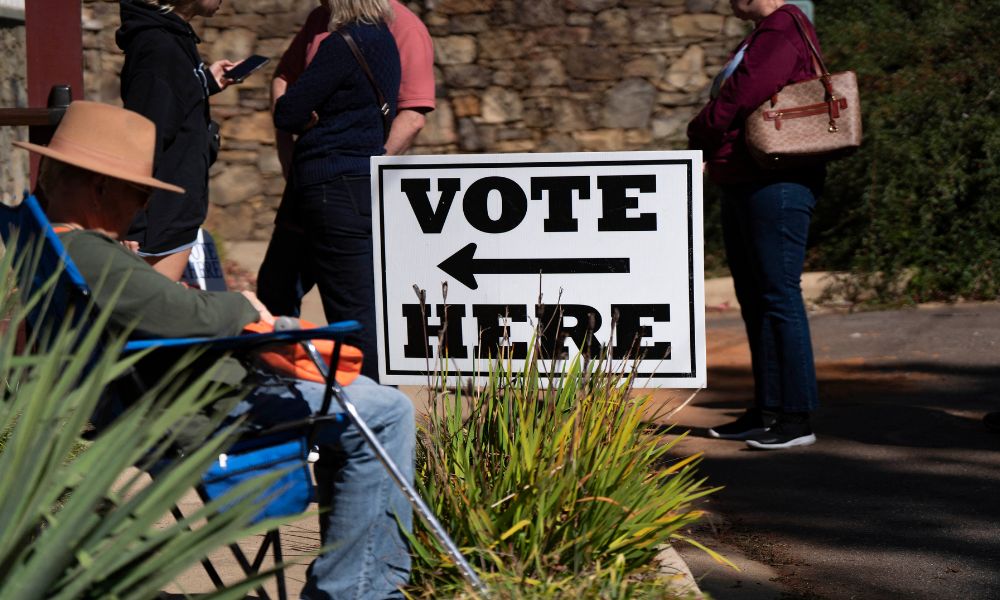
(765, 219)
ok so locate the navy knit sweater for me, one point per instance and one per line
(349, 131)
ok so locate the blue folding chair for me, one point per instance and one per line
(37, 246)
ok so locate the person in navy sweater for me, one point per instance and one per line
(765, 222)
(332, 107)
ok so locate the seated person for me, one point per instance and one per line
(96, 174)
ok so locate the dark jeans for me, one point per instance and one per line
(765, 227)
(326, 240)
(285, 277)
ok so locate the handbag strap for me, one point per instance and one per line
(831, 99)
(818, 63)
(824, 73)
(383, 106)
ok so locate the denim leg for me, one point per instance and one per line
(339, 233)
(370, 557)
(737, 236)
(367, 555)
(769, 249)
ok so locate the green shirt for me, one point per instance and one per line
(158, 306)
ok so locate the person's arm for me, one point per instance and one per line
(291, 65)
(404, 130)
(284, 142)
(768, 65)
(294, 112)
(217, 76)
(416, 85)
(262, 312)
(156, 306)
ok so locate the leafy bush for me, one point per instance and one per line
(552, 490)
(916, 213)
(69, 526)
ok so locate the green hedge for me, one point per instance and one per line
(915, 215)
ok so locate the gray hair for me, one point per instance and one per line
(371, 12)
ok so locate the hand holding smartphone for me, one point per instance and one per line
(246, 68)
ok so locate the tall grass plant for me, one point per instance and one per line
(71, 525)
(552, 488)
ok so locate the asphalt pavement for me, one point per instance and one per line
(900, 497)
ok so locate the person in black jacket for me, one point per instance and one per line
(165, 79)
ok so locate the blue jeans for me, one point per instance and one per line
(368, 557)
(765, 227)
(325, 239)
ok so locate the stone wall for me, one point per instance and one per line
(512, 75)
(13, 94)
(574, 75)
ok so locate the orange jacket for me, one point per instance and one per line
(292, 360)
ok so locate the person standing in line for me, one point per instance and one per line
(333, 109)
(165, 79)
(284, 273)
(416, 85)
(765, 220)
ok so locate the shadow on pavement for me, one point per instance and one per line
(899, 498)
(916, 405)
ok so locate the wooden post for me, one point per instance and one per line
(54, 40)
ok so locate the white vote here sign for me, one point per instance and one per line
(596, 252)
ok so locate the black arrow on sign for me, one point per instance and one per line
(464, 266)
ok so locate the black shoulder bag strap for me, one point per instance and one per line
(383, 106)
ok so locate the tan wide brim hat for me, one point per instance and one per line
(108, 140)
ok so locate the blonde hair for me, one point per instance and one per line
(371, 12)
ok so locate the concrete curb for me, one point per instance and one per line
(681, 579)
(721, 297)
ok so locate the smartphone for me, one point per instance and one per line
(243, 70)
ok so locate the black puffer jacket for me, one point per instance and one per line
(165, 79)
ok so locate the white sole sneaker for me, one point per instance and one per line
(736, 436)
(806, 440)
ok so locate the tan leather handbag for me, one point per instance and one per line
(807, 122)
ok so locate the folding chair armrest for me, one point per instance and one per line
(252, 341)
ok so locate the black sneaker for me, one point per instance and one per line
(783, 434)
(752, 422)
(992, 421)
